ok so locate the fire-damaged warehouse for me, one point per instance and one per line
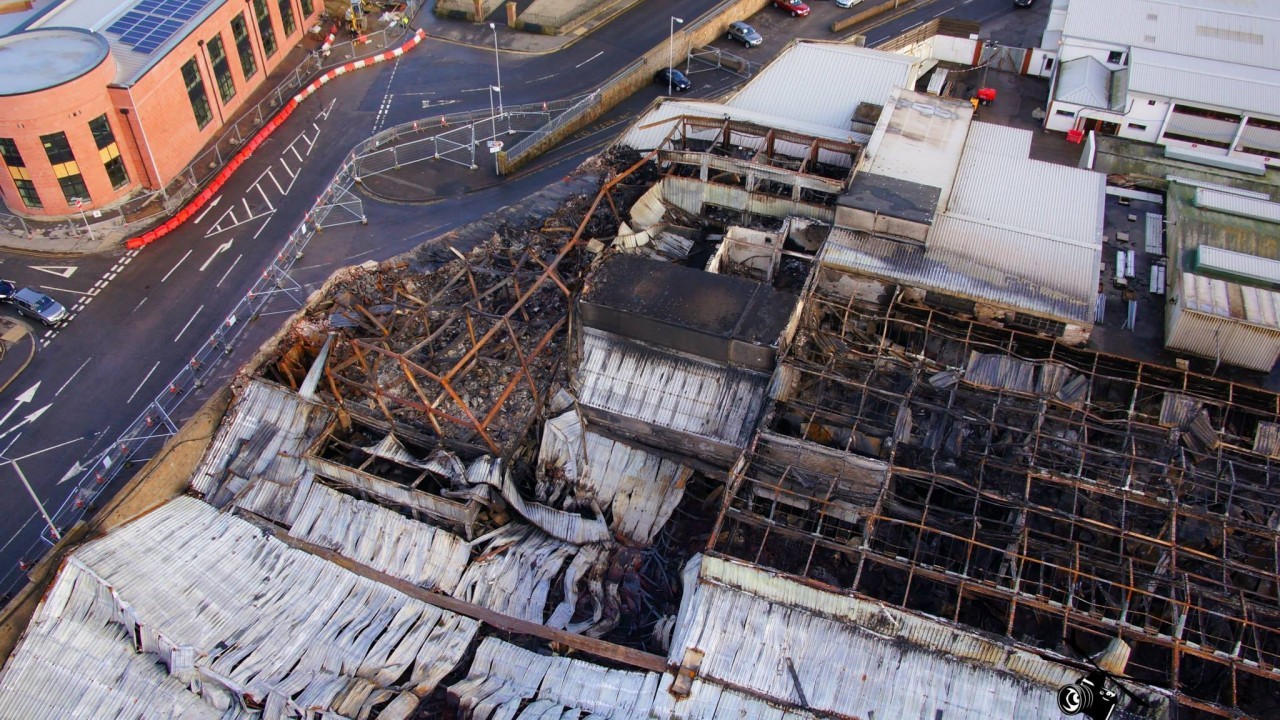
(649, 449)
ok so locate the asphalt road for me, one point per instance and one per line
(142, 315)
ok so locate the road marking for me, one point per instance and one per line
(135, 308)
(944, 12)
(277, 183)
(23, 399)
(94, 291)
(144, 382)
(74, 471)
(175, 267)
(366, 252)
(62, 271)
(264, 225)
(11, 442)
(73, 377)
(483, 89)
(544, 77)
(100, 284)
(207, 208)
(48, 333)
(262, 192)
(184, 327)
(218, 251)
(228, 272)
(63, 290)
(310, 267)
(593, 57)
(127, 259)
(30, 418)
(41, 451)
(110, 276)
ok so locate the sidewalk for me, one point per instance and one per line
(17, 347)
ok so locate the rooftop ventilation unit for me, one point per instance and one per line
(1253, 167)
(1234, 204)
(1238, 265)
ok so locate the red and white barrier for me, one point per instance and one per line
(248, 149)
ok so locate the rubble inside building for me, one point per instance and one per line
(650, 454)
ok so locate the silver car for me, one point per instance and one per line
(35, 304)
(847, 3)
(744, 34)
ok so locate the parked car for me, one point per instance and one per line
(744, 34)
(1022, 3)
(35, 304)
(7, 289)
(674, 78)
(797, 8)
(847, 3)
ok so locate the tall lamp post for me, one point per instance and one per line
(671, 36)
(497, 65)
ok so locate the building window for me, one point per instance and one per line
(1151, 102)
(18, 173)
(1065, 113)
(195, 92)
(1137, 128)
(1039, 325)
(267, 32)
(109, 151)
(244, 46)
(1115, 57)
(1206, 113)
(286, 17)
(65, 167)
(221, 69)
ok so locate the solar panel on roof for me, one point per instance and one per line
(149, 24)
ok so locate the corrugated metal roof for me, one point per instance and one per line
(73, 650)
(262, 438)
(639, 489)
(1084, 81)
(836, 78)
(976, 261)
(1243, 265)
(648, 131)
(245, 616)
(380, 538)
(1236, 204)
(668, 390)
(1054, 202)
(1241, 303)
(852, 657)
(1236, 31)
(1206, 80)
(1011, 142)
(1194, 182)
(504, 677)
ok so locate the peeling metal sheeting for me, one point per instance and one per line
(503, 679)
(800, 646)
(580, 469)
(239, 618)
(567, 526)
(515, 571)
(263, 438)
(663, 389)
(380, 538)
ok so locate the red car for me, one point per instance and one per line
(797, 8)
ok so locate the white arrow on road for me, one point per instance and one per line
(207, 208)
(30, 418)
(62, 271)
(221, 249)
(19, 401)
(74, 471)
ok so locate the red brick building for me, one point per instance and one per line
(100, 99)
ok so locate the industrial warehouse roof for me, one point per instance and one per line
(919, 138)
(1205, 80)
(1244, 32)
(1234, 301)
(837, 77)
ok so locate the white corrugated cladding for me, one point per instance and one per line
(264, 435)
(1236, 31)
(640, 489)
(1236, 204)
(1084, 81)
(1054, 202)
(999, 140)
(823, 82)
(1205, 80)
(678, 392)
(853, 658)
(919, 138)
(244, 615)
(650, 130)
(1240, 264)
(982, 263)
(1217, 319)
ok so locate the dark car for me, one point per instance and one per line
(7, 289)
(674, 78)
(1022, 3)
(797, 8)
(744, 34)
(35, 304)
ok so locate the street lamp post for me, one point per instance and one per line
(497, 66)
(53, 529)
(671, 36)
